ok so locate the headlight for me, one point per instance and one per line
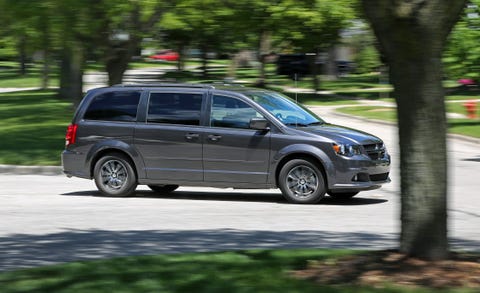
(346, 149)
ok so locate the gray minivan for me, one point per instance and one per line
(167, 135)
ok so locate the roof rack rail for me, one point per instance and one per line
(189, 85)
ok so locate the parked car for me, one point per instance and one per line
(167, 135)
(165, 55)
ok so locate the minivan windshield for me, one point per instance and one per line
(285, 109)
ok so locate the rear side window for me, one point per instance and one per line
(175, 108)
(114, 106)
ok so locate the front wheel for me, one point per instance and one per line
(302, 182)
(114, 175)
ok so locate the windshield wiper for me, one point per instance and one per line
(296, 124)
(316, 123)
(304, 124)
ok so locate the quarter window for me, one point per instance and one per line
(175, 108)
(114, 106)
(231, 112)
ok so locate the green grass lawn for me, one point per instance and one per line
(10, 77)
(236, 271)
(32, 127)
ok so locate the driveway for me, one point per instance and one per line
(53, 219)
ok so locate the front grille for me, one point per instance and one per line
(375, 150)
(379, 177)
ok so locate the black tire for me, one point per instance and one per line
(163, 189)
(301, 182)
(114, 175)
(343, 195)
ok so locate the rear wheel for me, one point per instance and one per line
(163, 188)
(302, 182)
(343, 195)
(114, 175)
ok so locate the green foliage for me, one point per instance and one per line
(462, 55)
(367, 60)
(8, 50)
(308, 26)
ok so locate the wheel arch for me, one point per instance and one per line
(304, 156)
(306, 152)
(111, 148)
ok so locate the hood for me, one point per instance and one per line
(341, 134)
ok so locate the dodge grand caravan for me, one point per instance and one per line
(167, 135)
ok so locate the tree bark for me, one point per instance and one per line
(71, 74)
(312, 61)
(117, 64)
(264, 49)
(412, 35)
(46, 53)
(22, 49)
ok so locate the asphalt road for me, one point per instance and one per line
(52, 219)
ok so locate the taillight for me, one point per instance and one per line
(71, 134)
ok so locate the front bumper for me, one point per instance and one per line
(360, 174)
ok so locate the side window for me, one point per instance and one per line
(231, 112)
(114, 106)
(175, 108)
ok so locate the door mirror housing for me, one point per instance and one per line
(259, 124)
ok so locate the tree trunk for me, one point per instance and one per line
(45, 69)
(312, 61)
(264, 50)
(412, 35)
(22, 50)
(46, 53)
(71, 74)
(117, 64)
(204, 61)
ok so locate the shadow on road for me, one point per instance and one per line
(20, 250)
(35, 250)
(476, 159)
(235, 196)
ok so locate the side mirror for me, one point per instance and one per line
(259, 124)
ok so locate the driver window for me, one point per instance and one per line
(232, 113)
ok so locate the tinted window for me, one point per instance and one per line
(175, 108)
(114, 106)
(231, 112)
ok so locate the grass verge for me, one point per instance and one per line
(236, 271)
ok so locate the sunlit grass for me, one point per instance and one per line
(10, 76)
(32, 127)
(236, 271)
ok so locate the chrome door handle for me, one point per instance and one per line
(191, 136)
(214, 137)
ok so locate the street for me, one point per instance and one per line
(53, 219)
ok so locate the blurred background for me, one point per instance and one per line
(316, 51)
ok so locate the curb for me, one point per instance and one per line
(31, 170)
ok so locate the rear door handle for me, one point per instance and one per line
(214, 137)
(192, 136)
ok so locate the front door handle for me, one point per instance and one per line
(214, 137)
(192, 136)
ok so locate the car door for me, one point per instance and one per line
(170, 141)
(232, 151)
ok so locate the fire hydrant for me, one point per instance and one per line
(471, 107)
